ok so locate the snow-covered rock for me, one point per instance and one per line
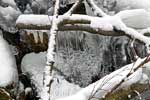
(131, 4)
(9, 11)
(10, 2)
(34, 65)
(8, 69)
(136, 18)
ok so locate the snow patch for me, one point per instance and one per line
(10, 2)
(28, 19)
(131, 4)
(8, 69)
(137, 18)
(107, 23)
(9, 13)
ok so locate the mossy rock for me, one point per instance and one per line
(127, 94)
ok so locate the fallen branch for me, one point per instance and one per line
(121, 78)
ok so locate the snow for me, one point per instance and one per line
(9, 13)
(62, 90)
(8, 69)
(28, 90)
(110, 22)
(146, 70)
(107, 23)
(34, 64)
(131, 4)
(51, 48)
(39, 19)
(102, 23)
(48, 74)
(138, 18)
(10, 2)
(105, 84)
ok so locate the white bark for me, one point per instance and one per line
(48, 73)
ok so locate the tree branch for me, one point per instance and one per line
(121, 78)
(48, 73)
(74, 7)
(99, 25)
(97, 11)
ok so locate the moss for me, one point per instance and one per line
(122, 94)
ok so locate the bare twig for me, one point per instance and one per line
(135, 56)
(140, 98)
(103, 83)
(147, 59)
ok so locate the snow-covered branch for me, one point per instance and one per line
(97, 11)
(127, 75)
(48, 73)
(111, 24)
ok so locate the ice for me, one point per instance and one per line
(34, 64)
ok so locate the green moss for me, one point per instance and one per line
(122, 94)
